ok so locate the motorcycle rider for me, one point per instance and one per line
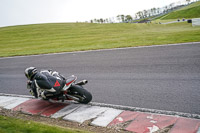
(50, 82)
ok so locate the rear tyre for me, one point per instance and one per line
(82, 94)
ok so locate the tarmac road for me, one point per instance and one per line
(159, 77)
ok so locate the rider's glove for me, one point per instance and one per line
(31, 92)
(29, 84)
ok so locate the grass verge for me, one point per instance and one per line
(12, 125)
(66, 37)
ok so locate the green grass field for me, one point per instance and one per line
(12, 125)
(63, 37)
(190, 11)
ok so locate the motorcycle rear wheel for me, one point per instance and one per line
(82, 94)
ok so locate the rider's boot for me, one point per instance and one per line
(43, 95)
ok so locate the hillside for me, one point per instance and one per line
(63, 37)
(190, 11)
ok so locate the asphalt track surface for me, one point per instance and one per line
(159, 77)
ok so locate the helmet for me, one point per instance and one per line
(30, 72)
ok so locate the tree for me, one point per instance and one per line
(101, 20)
(145, 13)
(119, 18)
(171, 6)
(123, 18)
(140, 14)
(136, 16)
(107, 20)
(149, 13)
(98, 20)
(188, 1)
(165, 9)
(158, 10)
(154, 10)
(128, 18)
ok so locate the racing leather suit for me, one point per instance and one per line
(47, 81)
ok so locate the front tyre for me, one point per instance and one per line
(82, 94)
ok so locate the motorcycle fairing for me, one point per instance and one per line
(69, 81)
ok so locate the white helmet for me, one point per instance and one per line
(30, 72)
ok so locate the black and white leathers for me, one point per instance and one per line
(49, 82)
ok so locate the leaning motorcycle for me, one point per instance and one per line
(73, 91)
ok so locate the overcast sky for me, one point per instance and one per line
(18, 12)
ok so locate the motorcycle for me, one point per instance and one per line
(72, 91)
(75, 91)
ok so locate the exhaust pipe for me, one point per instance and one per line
(72, 97)
(83, 82)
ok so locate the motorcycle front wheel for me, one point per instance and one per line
(80, 93)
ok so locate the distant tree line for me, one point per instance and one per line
(143, 14)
